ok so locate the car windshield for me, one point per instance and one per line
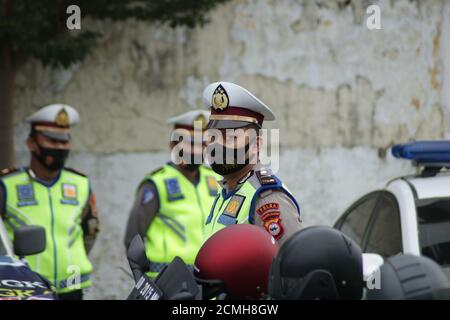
(434, 229)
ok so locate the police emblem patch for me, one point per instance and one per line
(147, 195)
(274, 227)
(25, 195)
(25, 192)
(173, 189)
(267, 207)
(62, 118)
(220, 99)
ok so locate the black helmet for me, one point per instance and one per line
(409, 277)
(317, 263)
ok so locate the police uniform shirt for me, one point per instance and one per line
(289, 220)
(144, 210)
(274, 210)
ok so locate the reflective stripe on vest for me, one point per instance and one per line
(58, 209)
(178, 227)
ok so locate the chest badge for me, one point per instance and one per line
(25, 195)
(212, 185)
(173, 189)
(231, 211)
(69, 194)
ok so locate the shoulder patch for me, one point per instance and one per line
(274, 227)
(76, 172)
(265, 177)
(147, 195)
(7, 171)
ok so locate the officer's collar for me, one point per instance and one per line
(46, 183)
(241, 181)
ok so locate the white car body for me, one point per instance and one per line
(409, 189)
(408, 195)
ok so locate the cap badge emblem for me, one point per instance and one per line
(62, 118)
(220, 99)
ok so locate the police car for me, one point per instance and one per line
(412, 213)
(17, 281)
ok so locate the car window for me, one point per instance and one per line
(385, 235)
(357, 217)
(434, 229)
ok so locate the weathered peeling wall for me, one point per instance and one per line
(342, 95)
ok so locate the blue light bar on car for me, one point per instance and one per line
(424, 152)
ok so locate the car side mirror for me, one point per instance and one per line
(371, 264)
(29, 240)
(137, 257)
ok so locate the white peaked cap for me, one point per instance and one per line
(232, 105)
(187, 119)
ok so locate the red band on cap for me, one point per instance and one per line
(238, 111)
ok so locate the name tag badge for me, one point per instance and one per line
(25, 195)
(173, 189)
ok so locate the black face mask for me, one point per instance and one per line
(191, 166)
(52, 159)
(229, 168)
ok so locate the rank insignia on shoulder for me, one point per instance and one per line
(265, 177)
(173, 189)
(76, 172)
(4, 172)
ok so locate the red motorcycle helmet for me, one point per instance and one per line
(236, 260)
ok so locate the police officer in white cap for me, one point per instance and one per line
(60, 199)
(248, 193)
(172, 202)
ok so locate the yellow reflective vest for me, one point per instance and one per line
(57, 208)
(178, 228)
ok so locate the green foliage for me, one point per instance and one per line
(37, 28)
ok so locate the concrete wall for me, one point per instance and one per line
(342, 95)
